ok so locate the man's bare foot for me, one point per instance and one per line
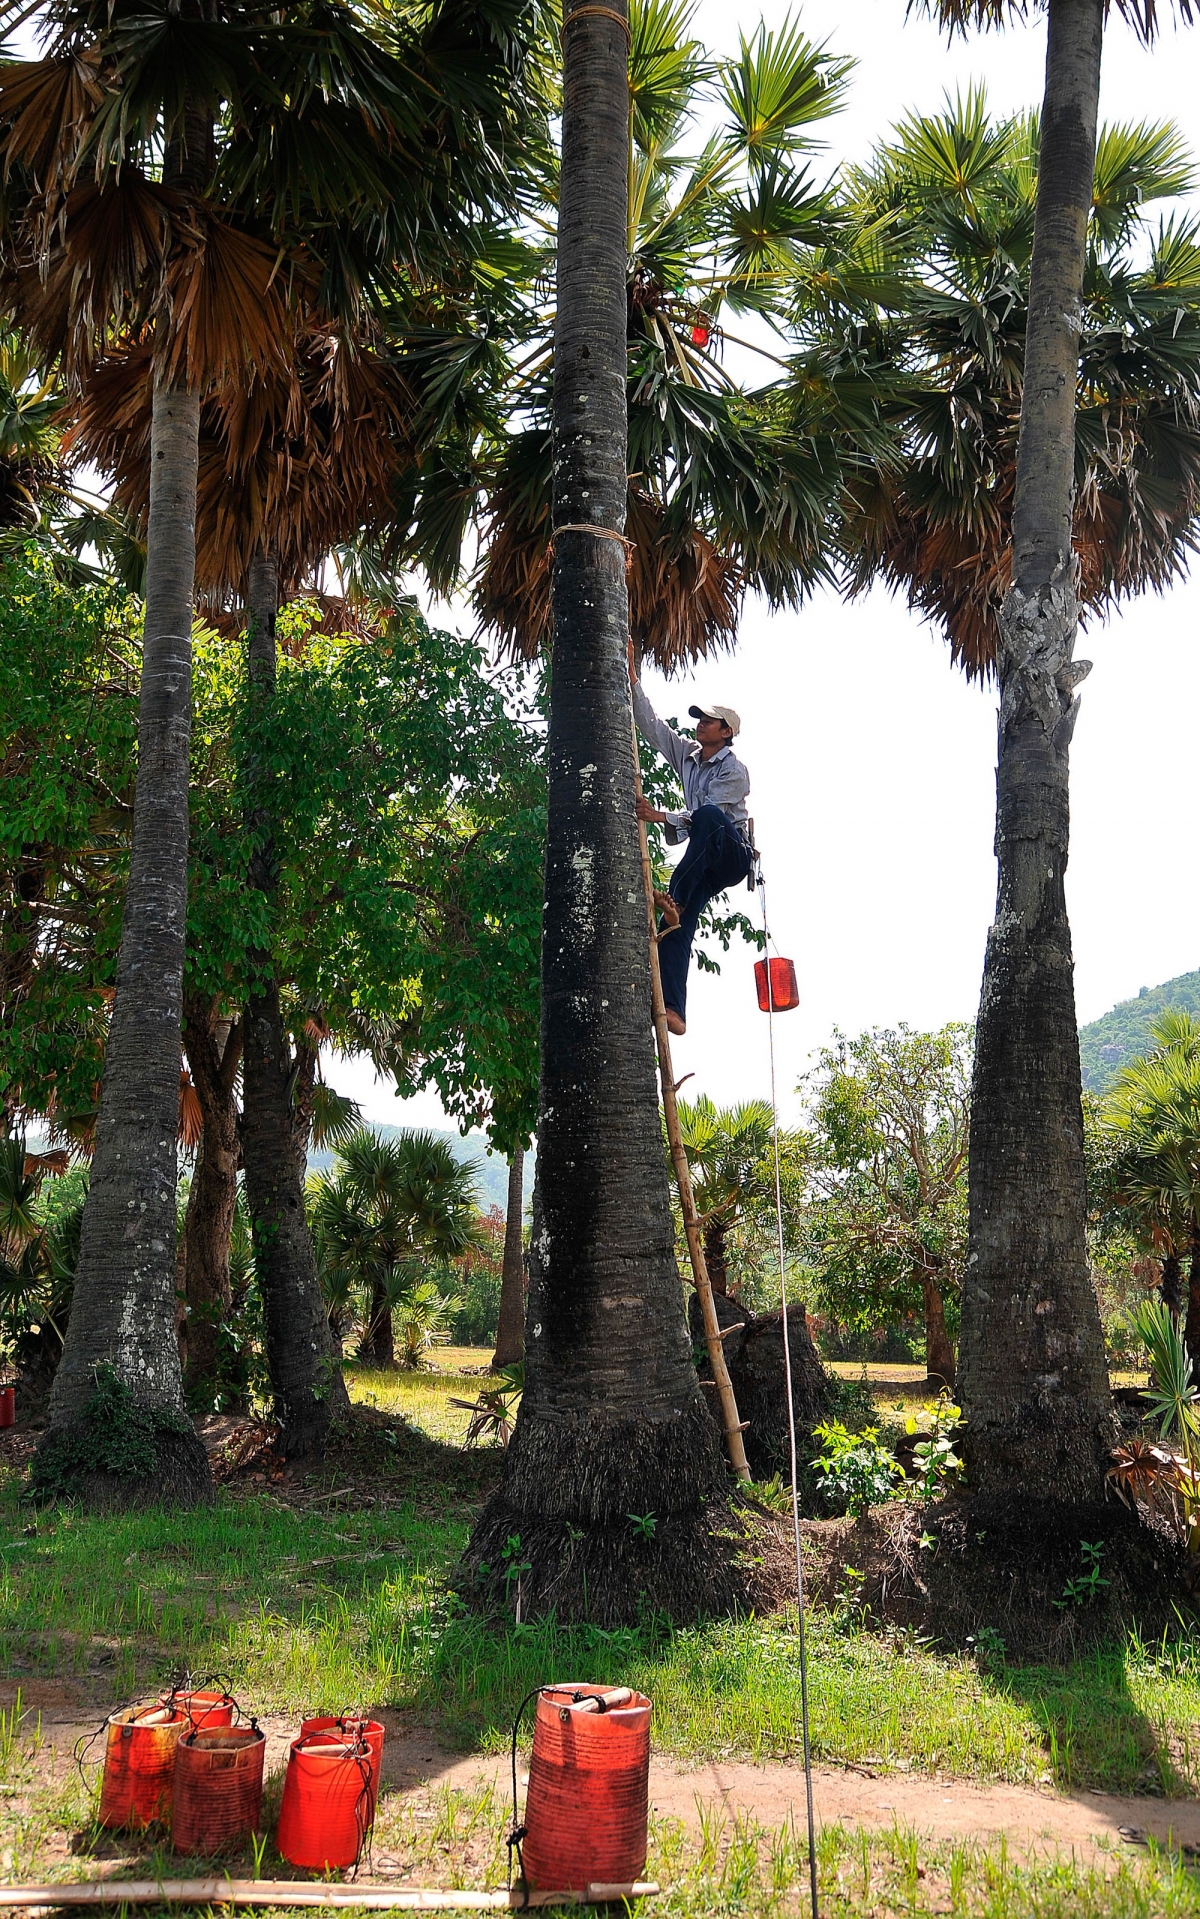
(675, 1022)
(670, 913)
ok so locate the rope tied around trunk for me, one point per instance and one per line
(607, 13)
(585, 526)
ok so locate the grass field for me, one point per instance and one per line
(336, 1594)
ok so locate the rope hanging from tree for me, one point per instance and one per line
(791, 1408)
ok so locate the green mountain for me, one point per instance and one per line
(1124, 1033)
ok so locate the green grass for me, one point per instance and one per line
(325, 1609)
(423, 1397)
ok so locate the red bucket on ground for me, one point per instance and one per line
(328, 1801)
(202, 1709)
(8, 1406)
(588, 1802)
(139, 1765)
(349, 1726)
(781, 993)
(218, 1788)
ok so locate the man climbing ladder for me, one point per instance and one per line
(713, 821)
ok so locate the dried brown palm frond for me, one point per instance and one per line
(130, 252)
(191, 1113)
(45, 105)
(949, 551)
(684, 596)
(293, 461)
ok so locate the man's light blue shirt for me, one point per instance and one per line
(721, 781)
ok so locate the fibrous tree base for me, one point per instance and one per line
(610, 1521)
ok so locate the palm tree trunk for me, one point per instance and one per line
(510, 1332)
(714, 1255)
(379, 1345)
(214, 1049)
(1031, 1368)
(123, 1311)
(1170, 1283)
(307, 1382)
(611, 1420)
(939, 1353)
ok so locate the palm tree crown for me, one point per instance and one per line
(935, 279)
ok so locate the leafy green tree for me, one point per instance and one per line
(886, 1223)
(390, 1209)
(1152, 1116)
(68, 726)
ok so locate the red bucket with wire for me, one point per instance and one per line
(348, 1726)
(202, 1709)
(139, 1765)
(777, 992)
(588, 1803)
(328, 1801)
(218, 1788)
(8, 1406)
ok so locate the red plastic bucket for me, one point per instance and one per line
(782, 993)
(588, 1802)
(8, 1406)
(218, 1788)
(328, 1799)
(202, 1709)
(139, 1765)
(346, 1726)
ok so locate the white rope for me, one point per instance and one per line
(791, 1408)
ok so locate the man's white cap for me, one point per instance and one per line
(725, 714)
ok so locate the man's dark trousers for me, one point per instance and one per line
(717, 856)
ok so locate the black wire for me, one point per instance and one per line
(517, 1833)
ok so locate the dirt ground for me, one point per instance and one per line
(416, 1764)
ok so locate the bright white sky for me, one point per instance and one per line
(872, 762)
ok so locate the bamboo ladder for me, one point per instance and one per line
(713, 1336)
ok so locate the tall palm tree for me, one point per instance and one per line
(353, 155)
(389, 1209)
(611, 1422)
(141, 210)
(1031, 1364)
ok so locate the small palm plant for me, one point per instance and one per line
(391, 1209)
(1165, 1478)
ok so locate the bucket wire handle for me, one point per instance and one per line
(517, 1833)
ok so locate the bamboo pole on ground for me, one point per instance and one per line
(302, 1892)
(734, 1427)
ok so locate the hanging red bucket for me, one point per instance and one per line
(218, 1788)
(8, 1406)
(202, 1709)
(139, 1765)
(347, 1726)
(781, 994)
(588, 1801)
(328, 1801)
